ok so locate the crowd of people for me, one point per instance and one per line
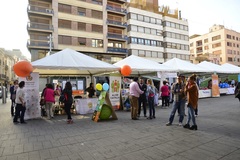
(142, 94)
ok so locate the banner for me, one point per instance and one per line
(31, 96)
(114, 91)
(215, 87)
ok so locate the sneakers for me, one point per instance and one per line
(180, 124)
(70, 121)
(168, 124)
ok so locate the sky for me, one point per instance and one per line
(201, 15)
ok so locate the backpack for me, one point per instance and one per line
(63, 97)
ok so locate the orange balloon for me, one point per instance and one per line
(23, 68)
(126, 70)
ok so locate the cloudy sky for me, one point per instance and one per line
(201, 15)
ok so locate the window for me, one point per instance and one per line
(230, 59)
(229, 51)
(206, 47)
(65, 40)
(140, 17)
(134, 40)
(181, 26)
(97, 43)
(153, 43)
(81, 26)
(186, 28)
(177, 26)
(134, 28)
(82, 41)
(159, 21)
(153, 20)
(205, 40)
(229, 44)
(216, 45)
(140, 41)
(97, 28)
(147, 42)
(229, 36)
(64, 24)
(146, 19)
(173, 25)
(133, 16)
(81, 11)
(153, 31)
(64, 8)
(216, 37)
(147, 31)
(97, 14)
(140, 29)
(168, 24)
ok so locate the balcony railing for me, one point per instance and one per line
(97, 2)
(118, 23)
(38, 43)
(3, 76)
(41, 26)
(116, 9)
(119, 50)
(117, 36)
(40, 9)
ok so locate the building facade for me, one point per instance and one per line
(219, 46)
(108, 30)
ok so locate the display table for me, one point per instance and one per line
(223, 90)
(231, 90)
(85, 106)
(205, 93)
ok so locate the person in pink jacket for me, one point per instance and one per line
(165, 94)
(49, 97)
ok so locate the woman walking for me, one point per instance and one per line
(192, 97)
(67, 92)
(49, 97)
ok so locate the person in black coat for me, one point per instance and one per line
(142, 100)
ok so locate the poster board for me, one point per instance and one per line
(215, 87)
(114, 90)
(32, 96)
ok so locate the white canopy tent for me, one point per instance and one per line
(141, 66)
(182, 66)
(214, 68)
(71, 62)
(232, 68)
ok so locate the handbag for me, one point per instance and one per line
(42, 102)
(63, 97)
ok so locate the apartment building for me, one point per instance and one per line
(108, 30)
(7, 60)
(219, 46)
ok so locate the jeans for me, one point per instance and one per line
(49, 109)
(12, 107)
(180, 105)
(191, 115)
(151, 107)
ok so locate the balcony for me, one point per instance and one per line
(117, 50)
(117, 36)
(3, 76)
(40, 10)
(40, 27)
(116, 10)
(119, 1)
(38, 44)
(117, 23)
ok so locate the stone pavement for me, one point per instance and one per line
(218, 136)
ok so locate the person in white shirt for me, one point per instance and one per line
(20, 104)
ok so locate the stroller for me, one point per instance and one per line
(127, 104)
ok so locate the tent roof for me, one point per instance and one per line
(232, 68)
(184, 66)
(142, 66)
(69, 62)
(213, 67)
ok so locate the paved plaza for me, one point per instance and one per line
(217, 137)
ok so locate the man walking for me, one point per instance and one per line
(179, 101)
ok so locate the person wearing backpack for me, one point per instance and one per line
(13, 90)
(150, 96)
